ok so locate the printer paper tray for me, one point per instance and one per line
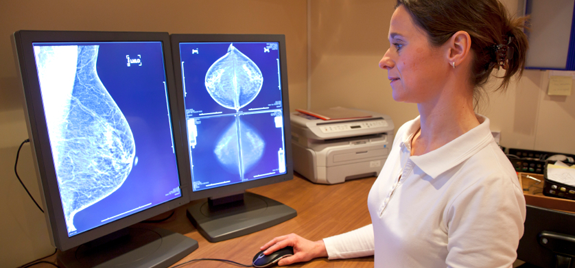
(334, 165)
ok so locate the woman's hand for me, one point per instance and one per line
(304, 250)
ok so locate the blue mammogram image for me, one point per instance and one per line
(92, 144)
(239, 148)
(234, 80)
(231, 113)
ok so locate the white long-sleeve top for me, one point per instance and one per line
(460, 205)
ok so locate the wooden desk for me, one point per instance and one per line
(323, 210)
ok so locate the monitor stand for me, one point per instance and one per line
(237, 215)
(136, 246)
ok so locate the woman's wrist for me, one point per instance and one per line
(319, 249)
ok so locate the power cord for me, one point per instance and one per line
(37, 261)
(207, 259)
(16, 172)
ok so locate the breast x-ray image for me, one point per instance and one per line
(233, 107)
(104, 128)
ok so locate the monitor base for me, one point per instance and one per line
(252, 214)
(142, 246)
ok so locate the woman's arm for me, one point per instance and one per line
(485, 223)
(354, 244)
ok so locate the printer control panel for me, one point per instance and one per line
(350, 126)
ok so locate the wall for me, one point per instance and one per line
(23, 229)
(349, 37)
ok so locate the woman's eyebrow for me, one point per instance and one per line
(394, 35)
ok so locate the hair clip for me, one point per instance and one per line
(503, 53)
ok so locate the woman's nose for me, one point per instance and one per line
(386, 62)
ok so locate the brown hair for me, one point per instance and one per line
(496, 40)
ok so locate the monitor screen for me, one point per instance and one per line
(110, 137)
(234, 111)
(104, 125)
(235, 93)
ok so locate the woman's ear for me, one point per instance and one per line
(459, 46)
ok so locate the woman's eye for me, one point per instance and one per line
(397, 46)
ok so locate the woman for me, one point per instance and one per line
(447, 195)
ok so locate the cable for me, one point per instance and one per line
(36, 261)
(53, 264)
(16, 172)
(207, 259)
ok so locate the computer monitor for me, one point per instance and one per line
(105, 130)
(235, 93)
(548, 239)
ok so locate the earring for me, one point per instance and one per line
(453, 64)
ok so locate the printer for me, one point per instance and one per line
(333, 151)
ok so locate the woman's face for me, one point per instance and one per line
(417, 70)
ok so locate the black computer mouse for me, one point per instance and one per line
(262, 260)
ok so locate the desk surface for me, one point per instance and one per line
(323, 210)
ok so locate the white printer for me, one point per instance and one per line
(333, 151)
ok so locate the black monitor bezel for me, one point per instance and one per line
(38, 132)
(176, 39)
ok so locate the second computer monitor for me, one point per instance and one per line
(234, 88)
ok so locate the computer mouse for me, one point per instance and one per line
(262, 260)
